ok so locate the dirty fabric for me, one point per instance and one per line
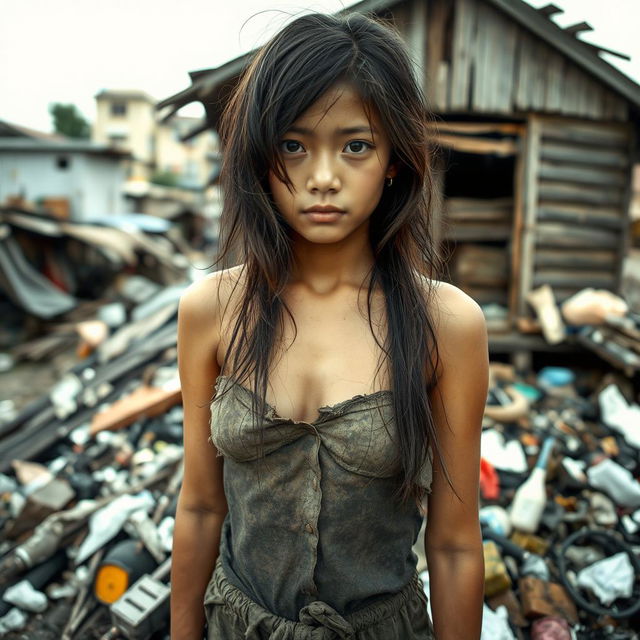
(233, 616)
(314, 520)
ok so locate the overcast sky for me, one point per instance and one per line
(68, 50)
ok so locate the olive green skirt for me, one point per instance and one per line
(232, 615)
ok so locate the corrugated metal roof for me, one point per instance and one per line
(67, 145)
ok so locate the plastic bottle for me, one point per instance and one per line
(531, 496)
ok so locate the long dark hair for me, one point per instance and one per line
(282, 80)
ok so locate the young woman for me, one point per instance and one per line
(330, 381)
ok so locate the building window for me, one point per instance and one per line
(117, 138)
(118, 108)
(63, 162)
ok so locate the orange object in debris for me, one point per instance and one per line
(111, 583)
(123, 564)
(143, 402)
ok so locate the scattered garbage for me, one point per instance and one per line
(90, 472)
(592, 306)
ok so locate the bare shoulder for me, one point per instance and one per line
(455, 309)
(460, 326)
(208, 297)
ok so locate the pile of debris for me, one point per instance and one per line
(561, 505)
(597, 319)
(46, 265)
(89, 479)
(65, 287)
(90, 472)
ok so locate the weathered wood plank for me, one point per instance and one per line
(571, 94)
(436, 32)
(538, 86)
(519, 183)
(478, 145)
(476, 209)
(415, 31)
(582, 194)
(599, 134)
(558, 235)
(504, 128)
(507, 38)
(574, 278)
(437, 198)
(578, 154)
(577, 259)
(555, 72)
(524, 75)
(625, 240)
(480, 77)
(589, 216)
(582, 106)
(593, 98)
(442, 86)
(462, 51)
(481, 265)
(477, 232)
(530, 195)
(592, 176)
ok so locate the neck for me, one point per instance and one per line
(325, 268)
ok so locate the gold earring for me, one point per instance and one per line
(390, 182)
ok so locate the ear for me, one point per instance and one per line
(392, 170)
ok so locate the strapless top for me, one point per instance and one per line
(314, 517)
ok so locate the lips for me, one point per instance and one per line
(323, 208)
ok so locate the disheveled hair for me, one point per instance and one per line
(283, 79)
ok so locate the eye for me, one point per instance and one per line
(359, 146)
(291, 146)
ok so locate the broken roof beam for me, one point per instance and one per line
(579, 27)
(549, 10)
(599, 49)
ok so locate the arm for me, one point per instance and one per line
(201, 505)
(453, 539)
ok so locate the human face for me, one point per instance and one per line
(334, 157)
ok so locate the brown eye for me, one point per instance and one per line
(290, 146)
(358, 146)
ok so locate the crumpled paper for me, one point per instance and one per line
(608, 579)
(105, 523)
(495, 624)
(26, 597)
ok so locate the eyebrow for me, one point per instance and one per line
(345, 131)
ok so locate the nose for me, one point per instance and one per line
(323, 176)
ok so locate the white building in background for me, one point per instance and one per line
(74, 179)
(127, 120)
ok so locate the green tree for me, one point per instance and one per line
(165, 178)
(68, 121)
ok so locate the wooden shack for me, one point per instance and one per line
(536, 143)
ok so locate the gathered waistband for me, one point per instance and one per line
(317, 620)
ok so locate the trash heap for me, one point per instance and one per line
(560, 506)
(66, 286)
(48, 267)
(90, 473)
